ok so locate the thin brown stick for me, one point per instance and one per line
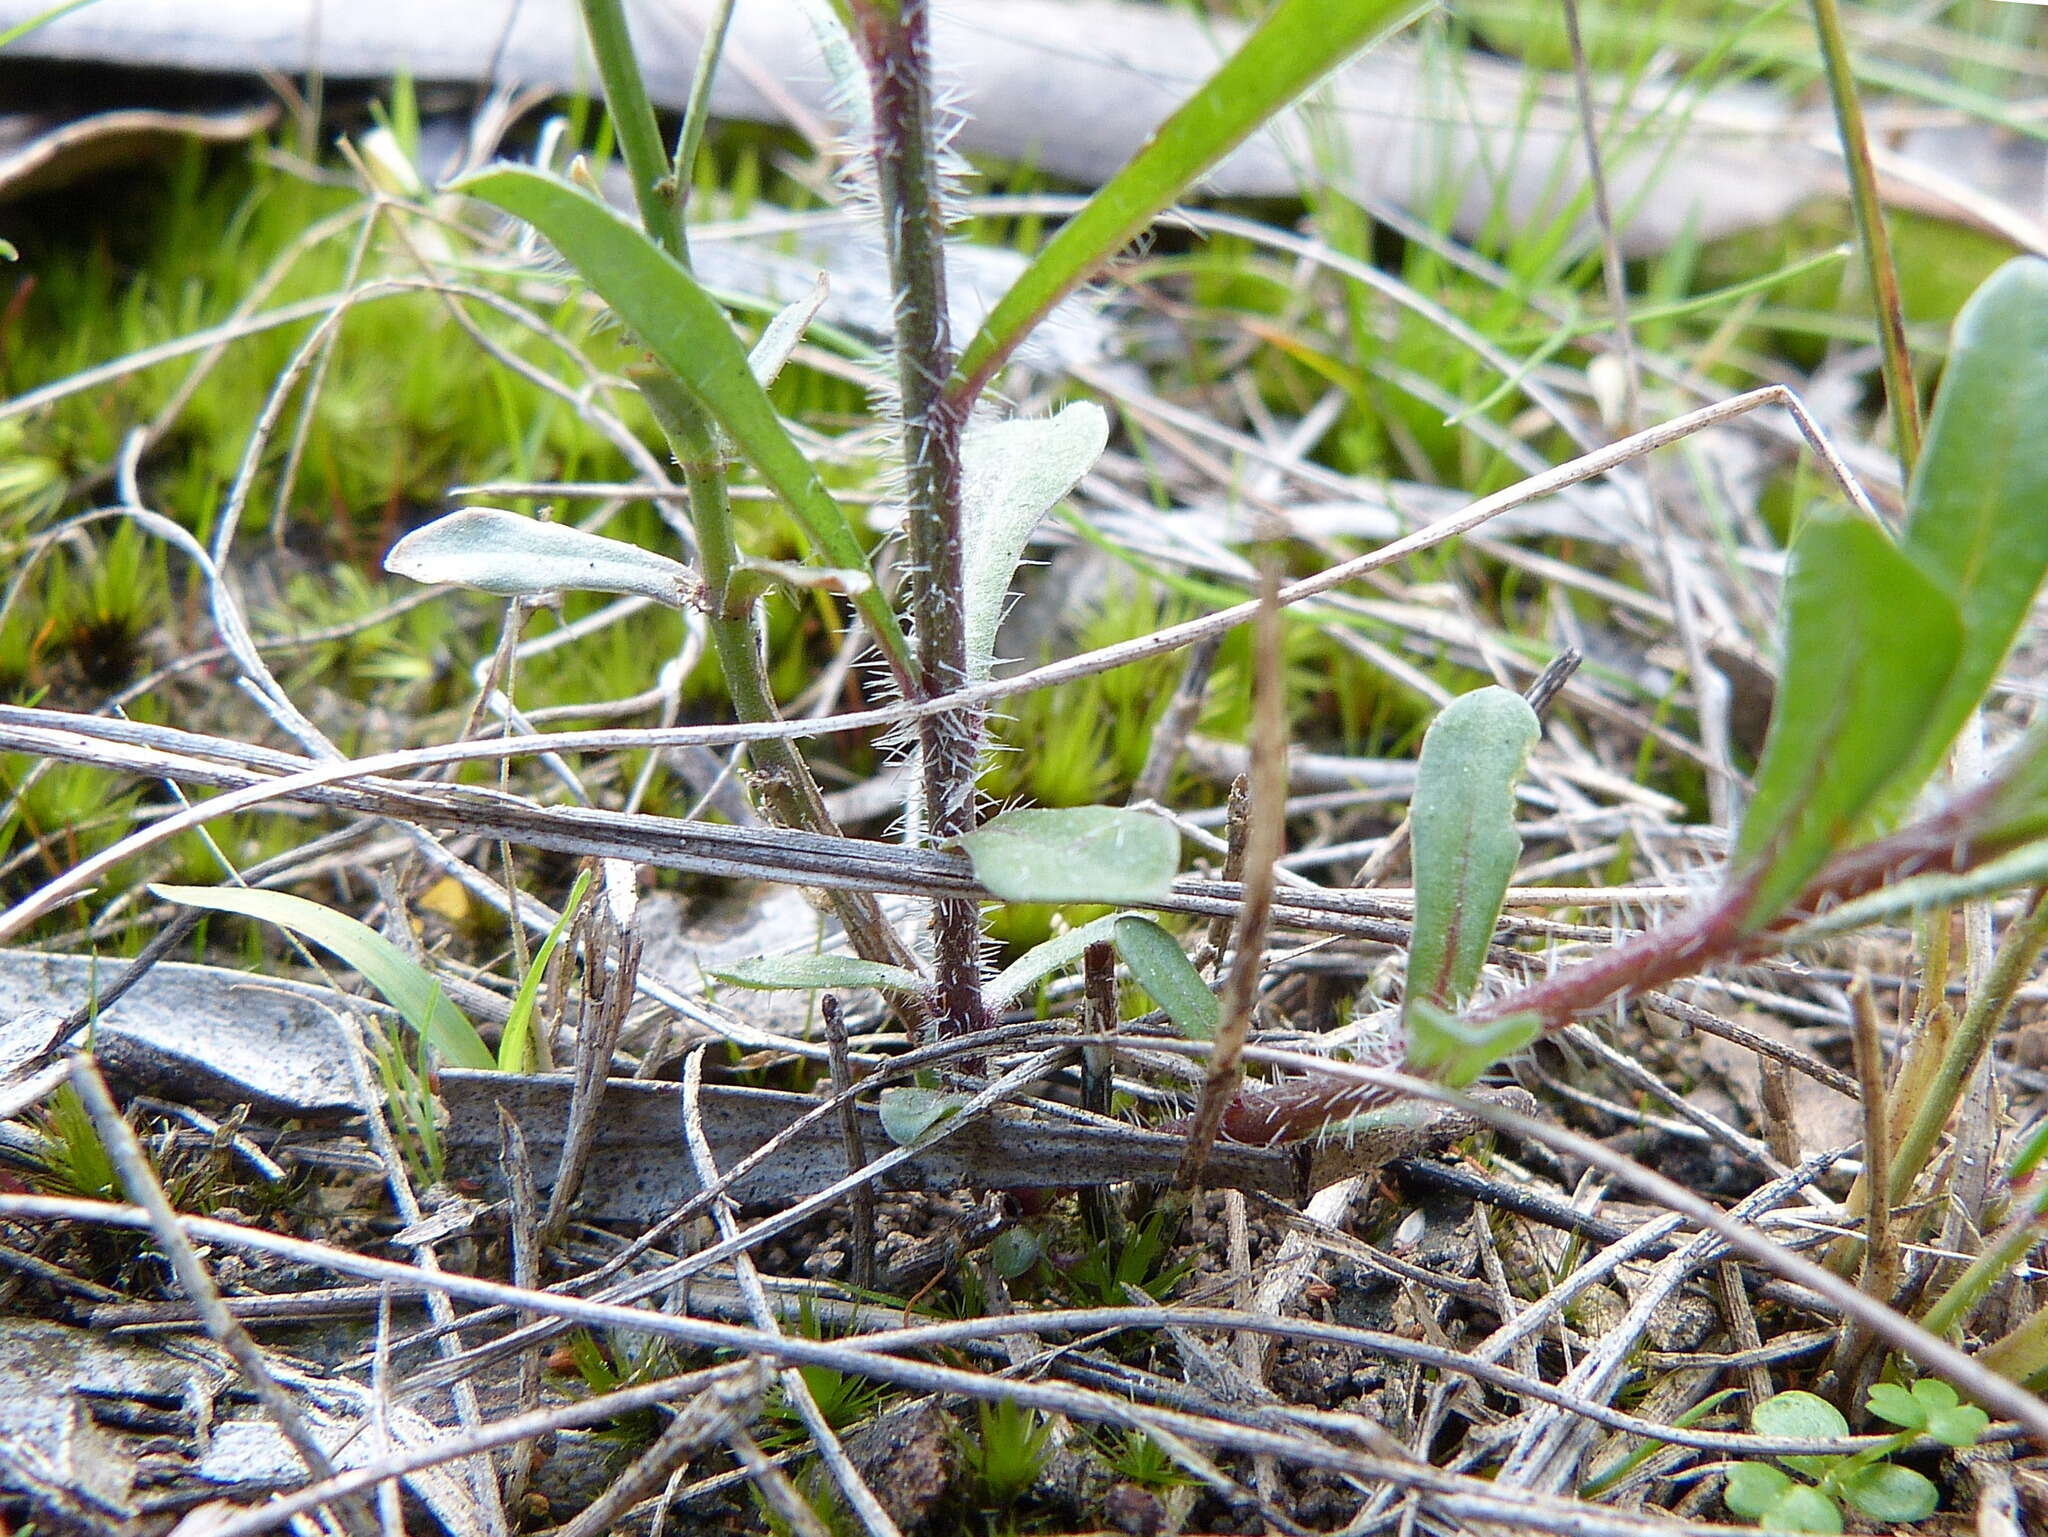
(1265, 841)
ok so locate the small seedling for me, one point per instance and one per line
(1862, 1480)
(1007, 1454)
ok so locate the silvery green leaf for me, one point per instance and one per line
(779, 338)
(812, 973)
(1080, 854)
(516, 557)
(1012, 475)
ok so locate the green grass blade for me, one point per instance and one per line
(1298, 43)
(1977, 512)
(1466, 845)
(515, 1042)
(406, 985)
(1870, 645)
(686, 329)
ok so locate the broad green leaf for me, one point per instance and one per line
(1949, 1420)
(813, 973)
(1463, 824)
(1011, 475)
(1455, 1051)
(1870, 643)
(405, 984)
(1298, 43)
(515, 1041)
(1754, 1487)
(1897, 1405)
(1080, 854)
(1040, 961)
(1977, 510)
(1884, 1491)
(1800, 1416)
(1960, 1425)
(908, 1114)
(1159, 965)
(1015, 1250)
(685, 328)
(519, 557)
(1802, 1508)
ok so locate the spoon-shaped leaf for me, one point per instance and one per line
(1463, 823)
(1011, 475)
(685, 328)
(518, 557)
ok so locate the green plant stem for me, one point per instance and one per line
(1871, 233)
(699, 110)
(895, 44)
(2005, 1250)
(625, 93)
(2021, 1355)
(786, 786)
(1987, 1008)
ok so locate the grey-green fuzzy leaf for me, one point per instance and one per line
(1462, 821)
(501, 552)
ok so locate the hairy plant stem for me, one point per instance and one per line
(895, 45)
(785, 785)
(1872, 235)
(788, 791)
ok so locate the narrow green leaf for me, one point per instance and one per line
(1011, 475)
(1977, 511)
(515, 1041)
(1926, 893)
(405, 984)
(1462, 821)
(685, 328)
(1079, 854)
(1870, 643)
(1040, 961)
(502, 552)
(1159, 965)
(1457, 1052)
(814, 973)
(1884, 1491)
(908, 1114)
(1298, 43)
